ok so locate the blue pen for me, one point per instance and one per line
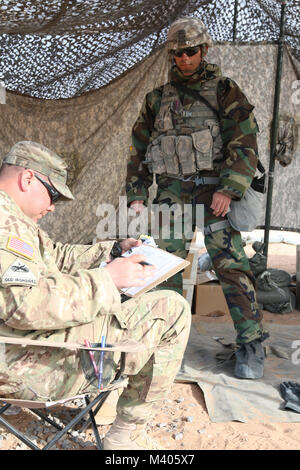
(100, 368)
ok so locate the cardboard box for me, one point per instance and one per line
(206, 276)
(210, 300)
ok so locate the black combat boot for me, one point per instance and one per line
(250, 360)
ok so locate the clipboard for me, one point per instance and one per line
(167, 265)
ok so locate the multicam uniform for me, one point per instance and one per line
(56, 292)
(215, 140)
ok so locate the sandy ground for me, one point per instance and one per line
(182, 422)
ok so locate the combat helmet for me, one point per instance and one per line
(187, 32)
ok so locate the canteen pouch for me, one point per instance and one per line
(244, 215)
(213, 126)
(168, 147)
(186, 155)
(109, 365)
(154, 158)
(203, 144)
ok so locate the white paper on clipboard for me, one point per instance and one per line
(166, 263)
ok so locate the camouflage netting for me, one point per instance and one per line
(104, 57)
(73, 46)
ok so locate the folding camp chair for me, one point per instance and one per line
(91, 408)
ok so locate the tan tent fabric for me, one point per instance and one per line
(92, 132)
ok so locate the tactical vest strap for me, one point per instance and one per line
(196, 94)
(197, 179)
(206, 180)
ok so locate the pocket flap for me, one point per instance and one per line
(156, 153)
(184, 146)
(202, 141)
(168, 144)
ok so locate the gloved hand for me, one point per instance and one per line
(204, 262)
(290, 392)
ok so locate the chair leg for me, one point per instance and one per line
(94, 427)
(15, 431)
(47, 419)
(95, 411)
(4, 408)
(98, 401)
(74, 421)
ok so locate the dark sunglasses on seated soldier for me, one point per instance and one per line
(54, 195)
(189, 51)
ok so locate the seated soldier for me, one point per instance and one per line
(57, 292)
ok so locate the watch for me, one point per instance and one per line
(116, 250)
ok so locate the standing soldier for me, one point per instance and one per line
(195, 138)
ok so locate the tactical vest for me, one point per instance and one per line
(185, 139)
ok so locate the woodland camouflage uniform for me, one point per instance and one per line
(236, 169)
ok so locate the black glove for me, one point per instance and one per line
(116, 250)
(290, 392)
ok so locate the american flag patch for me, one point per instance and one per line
(19, 246)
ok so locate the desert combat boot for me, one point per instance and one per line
(128, 436)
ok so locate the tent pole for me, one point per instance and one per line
(298, 277)
(235, 20)
(274, 129)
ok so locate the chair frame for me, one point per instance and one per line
(62, 430)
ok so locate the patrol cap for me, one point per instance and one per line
(39, 158)
(188, 31)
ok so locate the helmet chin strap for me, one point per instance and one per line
(204, 49)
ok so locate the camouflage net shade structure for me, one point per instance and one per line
(76, 73)
(63, 48)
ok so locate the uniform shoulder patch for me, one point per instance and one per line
(20, 247)
(19, 273)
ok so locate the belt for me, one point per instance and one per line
(196, 179)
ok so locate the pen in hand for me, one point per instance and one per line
(126, 271)
(143, 263)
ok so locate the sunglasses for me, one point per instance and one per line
(189, 51)
(54, 195)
